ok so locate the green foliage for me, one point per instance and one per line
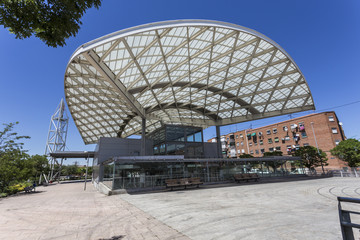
(17, 187)
(273, 164)
(271, 154)
(75, 170)
(9, 139)
(348, 151)
(40, 164)
(52, 21)
(9, 168)
(16, 165)
(70, 170)
(245, 155)
(310, 157)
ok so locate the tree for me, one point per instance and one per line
(245, 155)
(9, 140)
(348, 151)
(273, 164)
(310, 156)
(9, 169)
(40, 164)
(15, 164)
(272, 154)
(52, 21)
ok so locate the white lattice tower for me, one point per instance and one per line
(56, 140)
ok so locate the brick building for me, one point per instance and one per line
(287, 136)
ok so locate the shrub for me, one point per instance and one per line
(12, 189)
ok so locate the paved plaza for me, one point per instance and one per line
(304, 209)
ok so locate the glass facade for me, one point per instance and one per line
(178, 140)
(152, 174)
(108, 177)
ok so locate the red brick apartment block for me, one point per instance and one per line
(287, 136)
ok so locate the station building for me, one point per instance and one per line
(323, 130)
(168, 81)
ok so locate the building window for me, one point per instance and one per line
(260, 134)
(293, 127)
(271, 149)
(269, 140)
(306, 144)
(243, 150)
(331, 119)
(262, 150)
(285, 128)
(287, 138)
(288, 148)
(255, 143)
(337, 142)
(296, 137)
(237, 136)
(268, 132)
(256, 151)
(251, 152)
(334, 130)
(274, 130)
(241, 135)
(242, 143)
(301, 127)
(276, 139)
(261, 142)
(278, 148)
(238, 151)
(303, 134)
(237, 144)
(250, 144)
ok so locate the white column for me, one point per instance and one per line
(143, 140)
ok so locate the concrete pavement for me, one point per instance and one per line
(65, 211)
(283, 210)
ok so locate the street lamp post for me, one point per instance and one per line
(87, 164)
(317, 147)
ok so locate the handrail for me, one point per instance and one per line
(347, 199)
(345, 219)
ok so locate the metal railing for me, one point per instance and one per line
(345, 219)
(346, 173)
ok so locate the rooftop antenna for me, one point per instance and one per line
(56, 140)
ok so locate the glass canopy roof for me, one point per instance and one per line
(191, 72)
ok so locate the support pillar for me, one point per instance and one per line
(143, 140)
(218, 141)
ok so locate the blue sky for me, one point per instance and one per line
(323, 37)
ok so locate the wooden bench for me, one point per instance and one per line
(246, 177)
(182, 182)
(29, 189)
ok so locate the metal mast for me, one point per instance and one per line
(56, 140)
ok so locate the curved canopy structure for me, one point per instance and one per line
(191, 72)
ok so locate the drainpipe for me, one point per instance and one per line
(322, 165)
(247, 142)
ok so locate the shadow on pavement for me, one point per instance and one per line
(113, 238)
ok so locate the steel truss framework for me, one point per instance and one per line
(192, 72)
(56, 141)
